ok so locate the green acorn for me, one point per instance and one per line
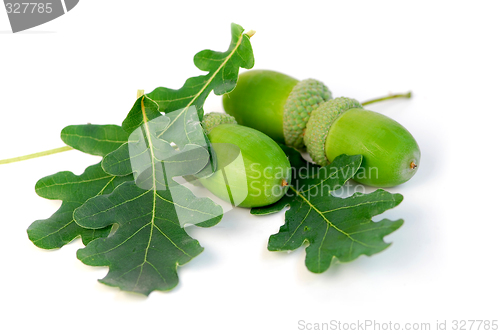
(302, 113)
(252, 170)
(341, 126)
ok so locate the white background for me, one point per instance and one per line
(86, 67)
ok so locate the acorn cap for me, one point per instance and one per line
(213, 119)
(305, 97)
(320, 122)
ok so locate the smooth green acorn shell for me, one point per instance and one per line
(252, 170)
(390, 153)
(258, 101)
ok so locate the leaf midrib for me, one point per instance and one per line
(208, 82)
(46, 186)
(326, 219)
(153, 210)
(153, 170)
(95, 139)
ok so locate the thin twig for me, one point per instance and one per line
(388, 97)
(36, 155)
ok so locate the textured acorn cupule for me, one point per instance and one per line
(319, 125)
(275, 104)
(252, 170)
(213, 119)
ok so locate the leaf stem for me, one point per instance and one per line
(250, 33)
(388, 97)
(36, 155)
(140, 92)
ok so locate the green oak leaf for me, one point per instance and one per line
(74, 190)
(147, 206)
(150, 212)
(334, 227)
(222, 68)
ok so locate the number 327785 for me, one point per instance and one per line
(28, 7)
